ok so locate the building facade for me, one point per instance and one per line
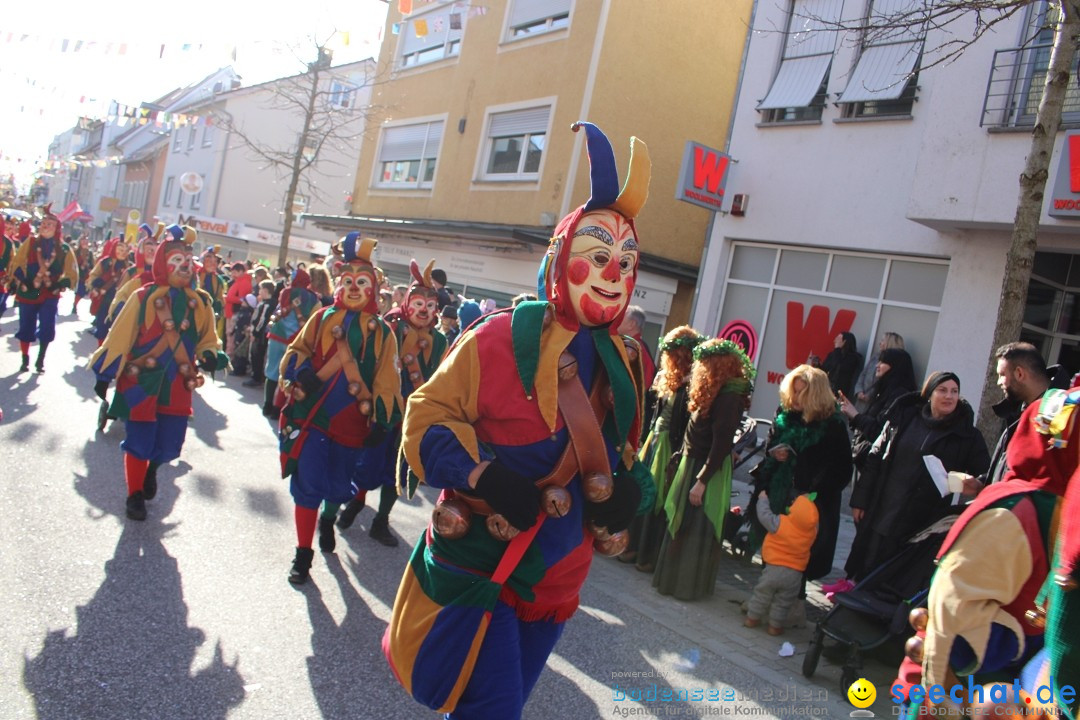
(474, 162)
(876, 192)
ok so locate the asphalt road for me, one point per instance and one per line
(189, 614)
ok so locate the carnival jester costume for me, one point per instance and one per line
(42, 269)
(162, 337)
(420, 350)
(141, 272)
(295, 305)
(7, 254)
(210, 279)
(341, 377)
(1003, 602)
(110, 271)
(84, 260)
(521, 427)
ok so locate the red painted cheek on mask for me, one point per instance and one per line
(611, 271)
(577, 270)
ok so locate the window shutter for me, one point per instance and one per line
(519, 122)
(407, 142)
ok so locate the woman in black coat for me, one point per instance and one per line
(895, 496)
(895, 377)
(843, 365)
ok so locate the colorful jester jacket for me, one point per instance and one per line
(139, 336)
(427, 358)
(48, 259)
(495, 397)
(371, 351)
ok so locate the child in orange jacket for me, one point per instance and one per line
(786, 552)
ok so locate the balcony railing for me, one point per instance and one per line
(1016, 83)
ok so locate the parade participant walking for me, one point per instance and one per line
(215, 283)
(340, 374)
(84, 260)
(142, 272)
(162, 336)
(664, 441)
(295, 305)
(420, 350)
(506, 427)
(42, 269)
(108, 273)
(699, 498)
(7, 254)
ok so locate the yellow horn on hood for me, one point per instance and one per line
(635, 191)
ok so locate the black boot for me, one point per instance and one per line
(268, 409)
(25, 363)
(301, 566)
(136, 505)
(380, 531)
(327, 541)
(349, 513)
(40, 364)
(103, 416)
(150, 481)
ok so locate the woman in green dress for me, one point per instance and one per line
(700, 493)
(670, 417)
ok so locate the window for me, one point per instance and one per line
(177, 142)
(798, 91)
(192, 132)
(408, 154)
(341, 95)
(196, 197)
(515, 144)
(170, 185)
(208, 134)
(533, 17)
(432, 36)
(885, 78)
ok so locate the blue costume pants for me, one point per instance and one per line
(324, 472)
(376, 466)
(158, 441)
(37, 321)
(510, 661)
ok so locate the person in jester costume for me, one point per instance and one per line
(213, 281)
(161, 339)
(420, 350)
(84, 260)
(42, 269)
(1003, 603)
(7, 254)
(344, 393)
(295, 305)
(110, 271)
(530, 427)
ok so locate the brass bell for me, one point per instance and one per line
(918, 618)
(184, 324)
(150, 363)
(273, 319)
(451, 518)
(199, 381)
(1065, 582)
(298, 393)
(613, 545)
(1036, 617)
(159, 302)
(556, 501)
(407, 358)
(567, 366)
(184, 368)
(500, 528)
(337, 332)
(597, 487)
(192, 303)
(132, 370)
(365, 407)
(190, 383)
(414, 376)
(353, 389)
(913, 648)
(600, 533)
(631, 352)
(169, 325)
(371, 324)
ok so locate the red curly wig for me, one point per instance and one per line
(709, 375)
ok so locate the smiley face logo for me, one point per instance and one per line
(861, 694)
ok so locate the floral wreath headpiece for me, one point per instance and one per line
(683, 341)
(726, 347)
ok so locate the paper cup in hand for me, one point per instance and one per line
(956, 481)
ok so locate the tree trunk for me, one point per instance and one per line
(1021, 255)
(298, 161)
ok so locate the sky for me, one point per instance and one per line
(71, 58)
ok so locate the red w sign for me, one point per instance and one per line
(815, 335)
(703, 176)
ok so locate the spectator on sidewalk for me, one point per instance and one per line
(260, 321)
(869, 374)
(633, 324)
(239, 288)
(448, 322)
(320, 284)
(446, 295)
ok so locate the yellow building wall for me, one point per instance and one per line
(666, 76)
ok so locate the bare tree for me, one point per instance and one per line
(330, 129)
(923, 16)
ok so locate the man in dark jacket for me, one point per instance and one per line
(1023, 377)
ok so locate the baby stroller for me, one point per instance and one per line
(749, 443)
(876, 609)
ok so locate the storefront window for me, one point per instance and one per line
(854, 275)
(802, 269)
(753, 263)
(916, 282)
(1039, 308)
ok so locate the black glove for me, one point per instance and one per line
(209, 361)
(376, 435)
(100, 388)
(514, 496)
(309, 381)
(617, 511)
